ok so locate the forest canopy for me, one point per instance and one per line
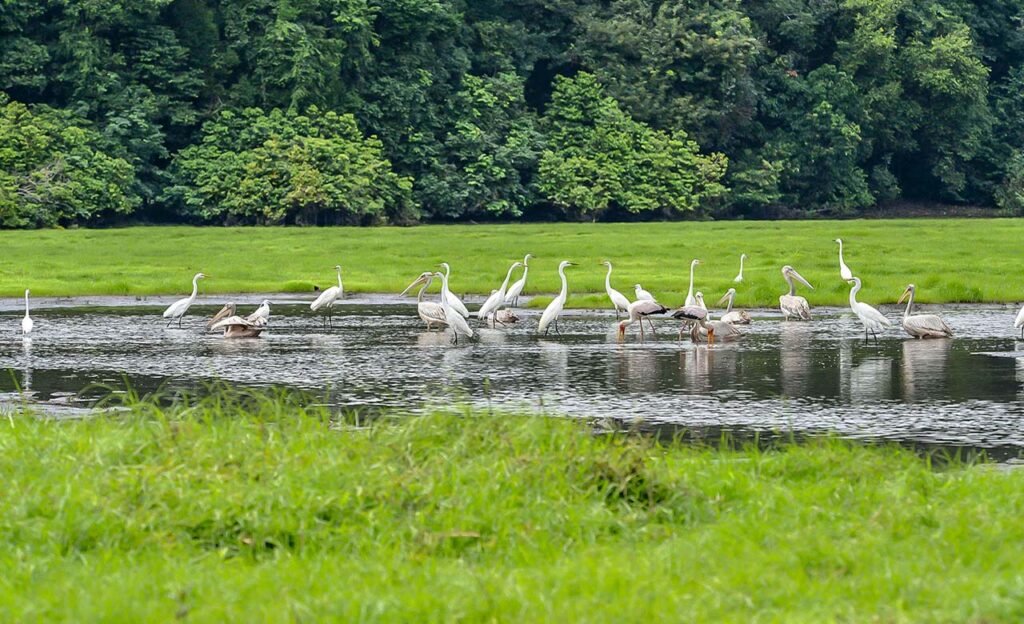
(396, 111)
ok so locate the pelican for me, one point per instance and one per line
(432, 313)
(691, 300)
(641, 294)
(452, 317)
(178, 309)
(26, 323)
(249, 327)
(739, 276)
(506, 316)
(225, 312)
(844, 271)
(693, 314)
(723, 329)
(453, 301)
(791, 303)
(736, 317)
(497, 298)
(873, 320)
(924, 325)
(325, 301)
(1020, 322)
(512, 296)
(554, 309)
(638, 311)
(619, 301)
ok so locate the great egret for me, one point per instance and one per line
(700, 300)
(641, 294)
(432, 313)
(325, 302)
(691, 314)
(453, 301)
(26, 323)
(638, 311)
(690, 298)
(791, 303)
(1020, 322)
(844, 271)
(497, 298)
(739, 276)
(452, 317)
(873, 320)
(619, 301)
(922, 325)
(554, 309)
(516, 289)
(178, 309)
(736, 317)
(248, 327)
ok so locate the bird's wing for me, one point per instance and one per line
(645, 307)
(690, 312)
(433, 311)
(238, 321)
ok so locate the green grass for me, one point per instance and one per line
(951, 260)
(255, 509)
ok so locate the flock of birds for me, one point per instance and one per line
(498, 309)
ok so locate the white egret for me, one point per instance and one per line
(453, 301)
(739, 276)
(248, 327)
(430, 312)
(690, 298)
(641, 294)
(516, 289)
(1020, 322)
(700, 300)
(325, 302)
(554, 309)
(26, 323)
(922, 325)
(736, 317)
(178, 309)
(691, 314)
(844, 271)
(873, 320)
(619, 301)
(497, 298)
(638, 311)
(452, 317)
(791, 303)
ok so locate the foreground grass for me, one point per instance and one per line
(267, 512)
(951, 260)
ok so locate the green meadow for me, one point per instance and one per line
(951, 260)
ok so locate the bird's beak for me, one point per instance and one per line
(419, 280)
(711, 335)
(723, 300)
(903, 296)
(622, 333)
(800, 278)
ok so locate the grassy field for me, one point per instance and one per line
(951, 260)
(260, 510)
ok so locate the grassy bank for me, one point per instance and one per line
(950, 259)
(269, 513)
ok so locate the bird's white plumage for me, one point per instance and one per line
(452, 317)
(430, 312)
(328, 296)
(516, 289)
(792, 304)
(26, 322)
(1020, 321)
(619, 301)
(554, 309)
(690, 298)
(844, 271)
(700, 300)
(739, 276)
(449, 297)
(642, 294)
(922, 325)
(497, 298)
(178, 309)
(639, 310)
(873, 320)
(736, 317)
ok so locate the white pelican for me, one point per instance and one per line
(619, 301)
(453, 301)
(690, 298)
(432, 313)
(739, 276)
(791, 303)
(873, 320)
(497, 298)
(554, 309)
(453, 317)
(641, 294)
(691, 315)
(178, 309)
(516, 289)
(723, 329)
(844, 271)
(638, 311)
(248, 327)
(225, 312)
(922, 325)
(506, 316)
(325, 302)
(736, 317)
(1020, 322)
(26, 323)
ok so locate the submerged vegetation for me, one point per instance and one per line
(249, 507)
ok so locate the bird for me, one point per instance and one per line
(325, 302)
(497, 298)
(844, 271)
(791, 303)
(506, 316)
(453, 301)
(736, 317)
(923, 325)
(554, 309)
(1019, 322)
(263, 311)
(723, 329)
(642, 294)
(225, 312)
(700, 300)
(739, 276)
(178, 309)
(429, 311)
(619, 301)
(690, 298)
(638, 311)
(694, 315)
(248, 327)
(26, 323)
(512, 295)
(873, 320)
(452, 317)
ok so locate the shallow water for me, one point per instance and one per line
(800, 377)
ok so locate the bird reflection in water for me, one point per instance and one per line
(637, 370)
(924, 368)
(26, 370)
(695, 367)
(795, 358)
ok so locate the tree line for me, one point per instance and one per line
(398, 111)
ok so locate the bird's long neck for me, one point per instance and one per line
(741, 266)
(608, 280)
(853, 293)
(841, 262)
(423, 288)
(728, 304)
(444, 289)
(792, 286)
(195, 287)
(339, 279)
(508, 276)
(689, 293)
(565, 284)
(26, 303)
(910, 304)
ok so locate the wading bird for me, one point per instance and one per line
(497, 298)
(506, 316)
(554, 309)
(736, 317)
(690, 298)
(452, 317)
(873, 320)
(691, 315)
(516, 289)
(922, 325)
(791, 303)
(641, 294)
(178, 309)
(325, 302)
(223, 313)
(739, 276)
(26, 322)
(430, 312)
(844, 271)
(638, 311)
(723, 329)
(248, 327)
(453, 301)
(619, 301)
(1020, 322)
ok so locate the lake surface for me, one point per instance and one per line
(811, 377)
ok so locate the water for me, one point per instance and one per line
(780, 377)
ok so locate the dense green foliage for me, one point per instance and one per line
(548, 109)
